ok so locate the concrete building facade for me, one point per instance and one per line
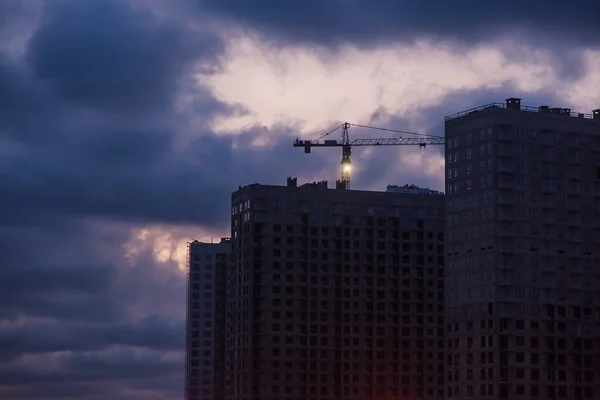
(335, 294)
(522, 257)
(206, 323)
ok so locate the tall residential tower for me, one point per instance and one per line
(336, 294)
(522, 256)
(206, 320)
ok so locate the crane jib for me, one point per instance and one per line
(422, 141)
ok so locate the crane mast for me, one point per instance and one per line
(346, 153)
(346, 145)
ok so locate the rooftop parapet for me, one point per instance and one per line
(515, 104)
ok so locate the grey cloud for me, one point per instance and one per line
(81, 307)
(71, 152)
(100, 367)
(104, 375)
(14, 13)
(88, 137)
(9, 10)
(45, 272)
(87, 307)
(19, 96)
(331, 23)
(103, 54)
(149, 182)
(154, 332)
(166, 334)
(92, 280)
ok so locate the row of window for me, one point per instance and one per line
(453, 188)
(196, 258)
(355, 390)
(535, 391)
(326, 208)
(507, 309)
(519, 134)
(368, 239)
(484, 196)
(520, 324)
(455, 141)
(366, 339)
(484, 149)
(510, 181)
(238, 208)
(196, 276)
(468, 168)
(549, 222)
(338, 268)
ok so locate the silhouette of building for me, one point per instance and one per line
(522, 257)
(206, 320)
(335, 294)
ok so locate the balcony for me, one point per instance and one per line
(506, 151)
(549, 186)
(505, 133)
(506, 230)
(506, 181)
(506, 166)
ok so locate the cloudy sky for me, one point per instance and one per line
(125, 126)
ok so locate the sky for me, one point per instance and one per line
(126, 124)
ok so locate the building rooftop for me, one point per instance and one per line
(323, 185)
(223, 240)
(515, 104)
(412, 189)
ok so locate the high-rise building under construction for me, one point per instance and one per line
(522, 257)
(335, 294)
(206, 325)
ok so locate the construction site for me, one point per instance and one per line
(410, 293)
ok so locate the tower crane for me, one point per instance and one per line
(347, 145)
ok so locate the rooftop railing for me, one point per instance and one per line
(542, 109)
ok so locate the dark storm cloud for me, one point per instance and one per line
(12, 13)
(87, 130)
(97, 113)
(19, 96)
(56, 280)
(147, 184)
(89, 135)
(99, 376)
(366, 22)
(91, 129)
(68, 288)
(153, 332)
(105, 55)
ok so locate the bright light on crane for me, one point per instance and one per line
(347, 145)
